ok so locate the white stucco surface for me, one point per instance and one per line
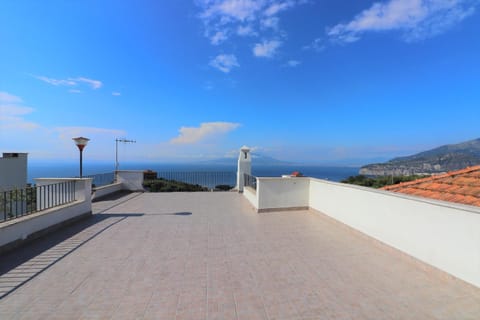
(13, 171)
(22, 228)
(277, 193)
(131, 180)
(251, 195)
(444, 235)
(244, 166)
(106, 190)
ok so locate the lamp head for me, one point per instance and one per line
(81, 142)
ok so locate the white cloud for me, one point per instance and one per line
(266, 49)
(231, 9)
(72, 82)
(13, 112)
(12, 117)
(246, 31)
(223, 19)
(192, 135)
(270, 22)
(17, 132)
(316, 45)
(94, 84)
(218, 37)
(416, 19)
(225, 62)
(67, 133)
(74, 91)
(115, 93)
(6, 97)
(276, 7)
(57, 82)
(293, 63)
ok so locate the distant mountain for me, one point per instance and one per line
(257, 159)
(442, 159)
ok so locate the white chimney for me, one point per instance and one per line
(244, 166)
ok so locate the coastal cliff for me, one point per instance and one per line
(442, 159)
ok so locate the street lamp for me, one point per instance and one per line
(116, 150)
(81, 142)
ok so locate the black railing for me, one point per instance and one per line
(205, 179)
(20, 202)
(101, 179)
(249, 181)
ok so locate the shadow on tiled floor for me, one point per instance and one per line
(21, 265)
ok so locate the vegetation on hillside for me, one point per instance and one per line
(164, 185)
(379, 182)
(223, 187)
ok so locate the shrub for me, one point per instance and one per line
(164, 185)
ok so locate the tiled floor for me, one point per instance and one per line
(210, 256)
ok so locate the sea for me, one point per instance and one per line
(66, 169)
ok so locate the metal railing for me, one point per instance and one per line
(205, 179)
(102, 179)
(249, 181)
(20, 202)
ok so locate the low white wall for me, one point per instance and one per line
(26, 227)
(106, 190)
(282, 193)
(251, 195)
(131, 180)
(22, 228)
(444, 235)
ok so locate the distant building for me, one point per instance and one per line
(461, 186)
(13, 171)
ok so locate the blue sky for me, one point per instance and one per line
(311, 81)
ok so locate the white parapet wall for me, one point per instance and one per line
(282, 193)
(16, 231)
(104, 191)
(442, 234)
(251, 195)
(130, 180)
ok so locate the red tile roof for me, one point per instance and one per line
(462, 186)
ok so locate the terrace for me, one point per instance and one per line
(212, 256)
(285, 248)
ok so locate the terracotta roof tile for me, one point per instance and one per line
(466, 180)
(461, 186)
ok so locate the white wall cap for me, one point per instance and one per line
(63, 179)
(447, 204)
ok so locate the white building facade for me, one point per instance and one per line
(13, 171)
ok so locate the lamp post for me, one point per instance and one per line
(81, 142)
(116, 150)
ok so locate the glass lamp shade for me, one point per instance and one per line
(81, 142)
